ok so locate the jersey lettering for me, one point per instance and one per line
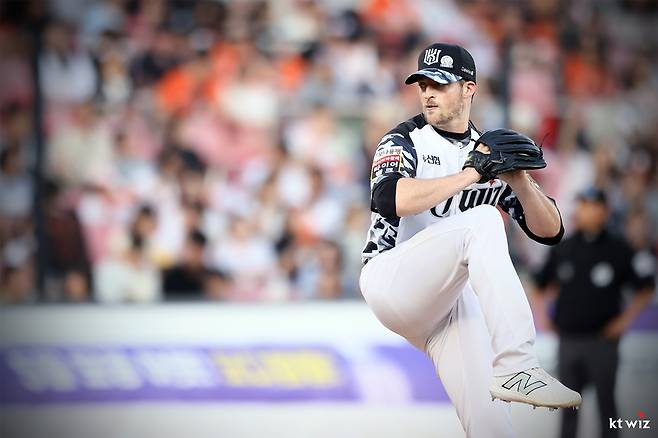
(445, 209)
(487, 195)
(470, 199)
(431, 159)
(467, 200)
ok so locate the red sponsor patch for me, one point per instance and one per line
(386, 164)
(387, 159)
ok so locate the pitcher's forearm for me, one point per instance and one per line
(541, 215)
(415, 195)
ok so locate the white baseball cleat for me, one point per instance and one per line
(535, 387)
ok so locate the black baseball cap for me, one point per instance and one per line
(593, 194)
(444, 63)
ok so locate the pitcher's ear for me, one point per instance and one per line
(468, 88)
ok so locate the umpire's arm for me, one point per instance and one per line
(541, 215)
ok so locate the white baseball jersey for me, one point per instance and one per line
(415, 149)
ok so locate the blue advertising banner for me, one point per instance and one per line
(275, 373)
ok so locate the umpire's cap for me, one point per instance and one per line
(593, 194)
(444, 63)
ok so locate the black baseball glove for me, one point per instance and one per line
(509, 151)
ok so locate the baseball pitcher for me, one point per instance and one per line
(437, 270)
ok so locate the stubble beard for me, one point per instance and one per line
(441, 119)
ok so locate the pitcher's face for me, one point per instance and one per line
(441, 103)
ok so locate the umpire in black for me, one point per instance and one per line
(586, 274)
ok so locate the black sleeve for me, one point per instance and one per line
(383, 196)
(547, 274)
(639, 268)
(511, 205)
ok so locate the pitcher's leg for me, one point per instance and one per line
(500, 293)
(412, 286)
(461, 352)
(517, 374)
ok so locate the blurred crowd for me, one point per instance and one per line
(220, 150)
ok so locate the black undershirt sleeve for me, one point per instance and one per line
(543, 240)
(383, 196)
(512, 206)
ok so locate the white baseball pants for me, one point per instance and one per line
(452, 291)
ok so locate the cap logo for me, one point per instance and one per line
(431, 56)
(446, 61)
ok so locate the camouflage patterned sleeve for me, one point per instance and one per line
(395, 158)
(395, 155)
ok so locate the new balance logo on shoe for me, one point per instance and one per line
(522, 387)
(521, 383)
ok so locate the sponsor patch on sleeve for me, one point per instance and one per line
(387, 160)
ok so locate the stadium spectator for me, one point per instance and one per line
(16, 284)
(216, 285)
(15, 185)
(82, 152)
(68, 266)
(68, 74)
(187, 278)
(128, 277)
(248, 258)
